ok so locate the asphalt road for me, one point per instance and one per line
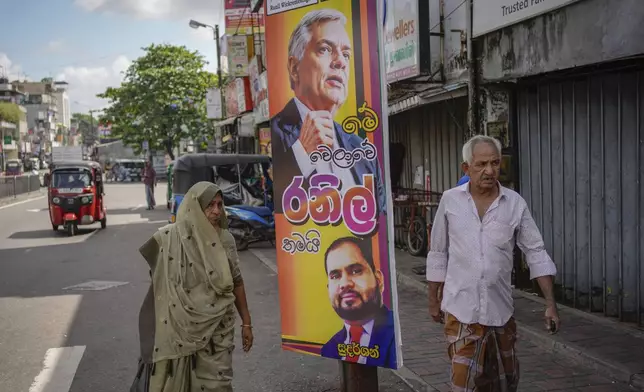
(53, 334)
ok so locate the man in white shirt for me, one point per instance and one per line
(470, 264)
(319, 60)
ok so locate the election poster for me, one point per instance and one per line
(333, 216)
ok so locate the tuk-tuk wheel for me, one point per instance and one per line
(72, 229)
(55, 227)
(104, 223)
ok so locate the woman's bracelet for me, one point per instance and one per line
(247, 326)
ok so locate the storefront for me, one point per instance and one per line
(426, 137)
(574, 107)
(580, 159)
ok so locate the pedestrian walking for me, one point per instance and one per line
(469, 268)
(187, 320)
(150, 180)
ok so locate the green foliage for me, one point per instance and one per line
(161, 99)
(10, 112)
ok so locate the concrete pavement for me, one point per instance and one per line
(69, 306)
(426, 364)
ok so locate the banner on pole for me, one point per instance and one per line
(329, 142)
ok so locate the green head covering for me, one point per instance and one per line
(192, 280)
(203, 192)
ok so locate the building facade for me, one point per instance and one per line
(62, 105)
(42, 114)
(563, 89)
(15, 146)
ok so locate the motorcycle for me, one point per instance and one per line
(251, 224)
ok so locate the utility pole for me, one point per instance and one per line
(358, 378)
(218, 57)
(219, 85)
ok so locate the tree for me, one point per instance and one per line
(10, 112)
(161, 99)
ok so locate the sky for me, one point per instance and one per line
(90, 43)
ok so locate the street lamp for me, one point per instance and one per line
(196, 25)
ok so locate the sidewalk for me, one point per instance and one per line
(23, 197)
(588, 355)
(600, 345)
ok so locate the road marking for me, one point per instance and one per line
(95, 285)
(22, 202)
(28, 250)
(137, 207)
(59, 369)
(35, 210)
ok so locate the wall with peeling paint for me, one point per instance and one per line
(588, 32)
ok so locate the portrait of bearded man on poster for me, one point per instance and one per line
(355, 288)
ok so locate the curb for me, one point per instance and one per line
(569, 350)
(12, 201)
(265, 260)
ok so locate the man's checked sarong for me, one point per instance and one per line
(483, 358)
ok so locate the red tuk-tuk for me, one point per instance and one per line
(75, 191)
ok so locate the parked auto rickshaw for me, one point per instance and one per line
(75, 193)
(246, 188)
(13, 167)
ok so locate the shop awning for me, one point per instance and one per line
(449, 91)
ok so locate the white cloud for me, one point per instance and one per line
(86, 82)
(10, 70)
(207, 10)
(55, 46)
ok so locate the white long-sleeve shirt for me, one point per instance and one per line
(474, 257)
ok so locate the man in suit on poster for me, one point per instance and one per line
(355, 289)
(319, 54)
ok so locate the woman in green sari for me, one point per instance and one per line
(187, 320)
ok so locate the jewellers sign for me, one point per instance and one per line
(401, 39)
(490, 15)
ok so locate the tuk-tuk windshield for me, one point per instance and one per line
(71, 179)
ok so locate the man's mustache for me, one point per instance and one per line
(349, 291)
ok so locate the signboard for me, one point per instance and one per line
(490, 15)
(7, 139)
(402, 53)
(238, 54)
(213, 104)
(239, 18)
(232, 107)
(246, 126)
(265, 141)
(334, 221)
(244, 97)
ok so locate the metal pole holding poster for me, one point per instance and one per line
(358, 378)
(333, 218)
